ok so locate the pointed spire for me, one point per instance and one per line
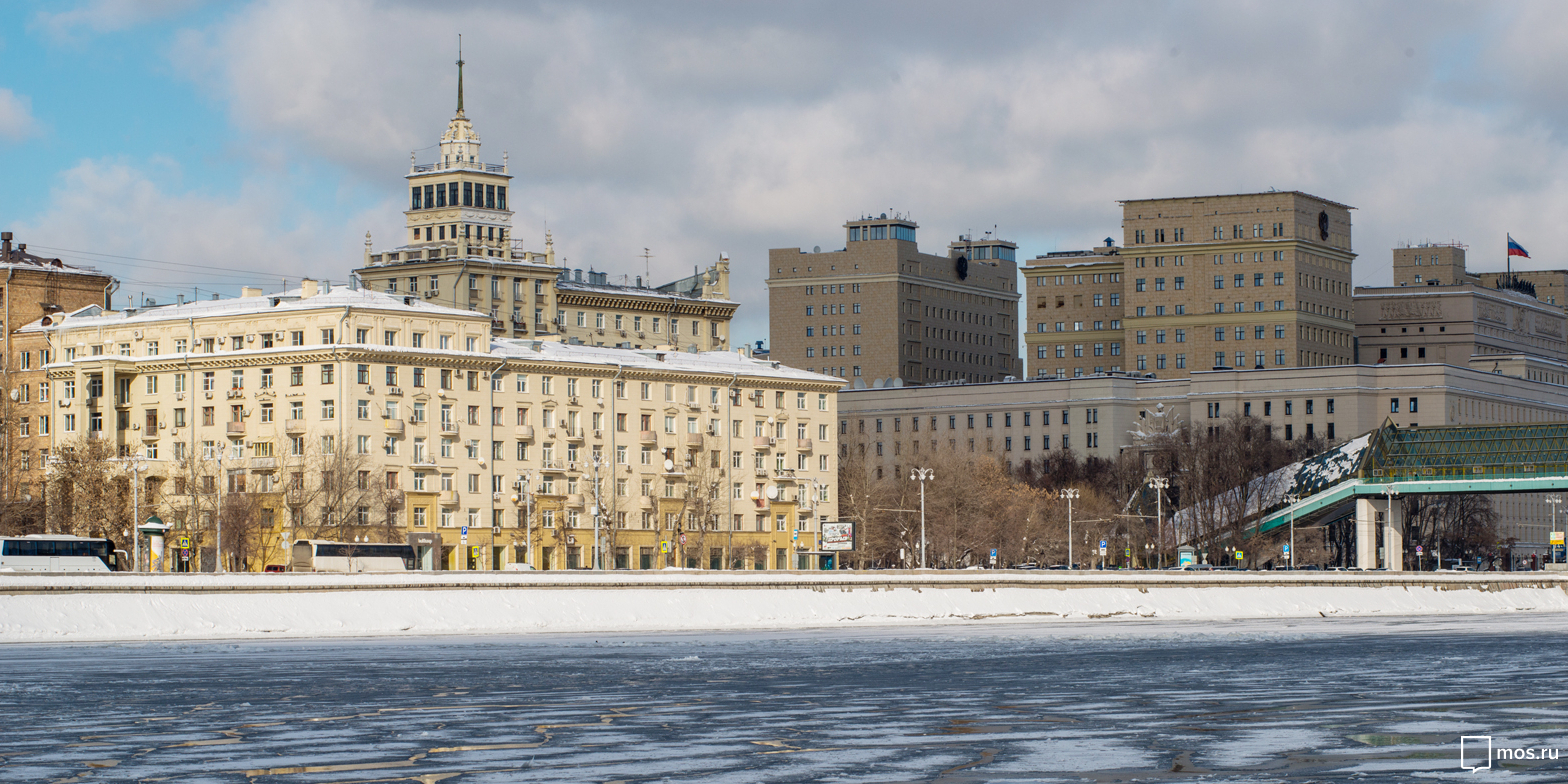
(460, 75)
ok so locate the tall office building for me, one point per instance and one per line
(879, 312)
(1235, 281)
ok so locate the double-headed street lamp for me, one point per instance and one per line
(922, 475)
(1070, 494)
(1554, 500)
(1290, 500)
(1159, 483)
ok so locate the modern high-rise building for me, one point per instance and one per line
(1233, 281)
(459, 250)
(881, 313)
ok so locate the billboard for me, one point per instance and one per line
(838, 535)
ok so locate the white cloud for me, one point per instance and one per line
(16, 115)
(257, 236)
(105, 16)
(699, 129)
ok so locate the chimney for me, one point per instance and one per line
(5, 246)
(250, 291)
(307, 288)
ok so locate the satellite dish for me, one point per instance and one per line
(897, 382)
(816, 248)
(669, 465)
(773, 493)
(876, 383)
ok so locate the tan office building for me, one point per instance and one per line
(879, 312)
(334, 413)
(459, 250)
(1455, 324)
(1233, 281)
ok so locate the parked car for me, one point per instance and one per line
(274, 569)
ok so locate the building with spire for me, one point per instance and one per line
(458, 249)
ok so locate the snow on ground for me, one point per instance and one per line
(80, 608)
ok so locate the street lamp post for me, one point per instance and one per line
(922, 475)
(1388, 519)
(524, 488)
(1070, 494)
(1291, 500)
(1554, 500)
(1159, 483)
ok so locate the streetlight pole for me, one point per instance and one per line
(1554, 500)
(136, 515)
(1388, 519)
(922, 475)
(1159, 483)
(524, 487)
(1291, 500)
(1070, 494)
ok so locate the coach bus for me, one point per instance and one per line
(59, 553)
(315, 555)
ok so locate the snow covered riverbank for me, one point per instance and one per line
(79, 608)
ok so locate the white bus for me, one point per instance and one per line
(315, 555)
(59, 553)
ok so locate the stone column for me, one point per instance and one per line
(1394, 536)
(1367, 508)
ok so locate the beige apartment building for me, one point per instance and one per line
(1443, 264)
(1027, 420)
(1232, 281)
(459, 250)
(879, 312)
(343, 414)
(34, 287)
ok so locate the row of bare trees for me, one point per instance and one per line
(1218, 478)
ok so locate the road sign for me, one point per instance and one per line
(1102, 551)
(1126, 552)
(683, 538)
(465, 530)
(1102, 544)
(993, 552)
(1418, 550)
(1238, 555)
(664, 547)
(183, 542)
(185, 554)
(1287, 549)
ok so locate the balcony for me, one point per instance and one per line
(803, 444)
(447, 498)
(449, 428)
(293, 426)
(762, 442)
(785, 475)
(525, 432)
(575, 499)
(648, 437)
(694, 439)
(236, 429)
(574, 435)
(264, 464)
(393, 425)
(646, 502)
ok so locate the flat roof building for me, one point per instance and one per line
(1230, 281)
(879, 312)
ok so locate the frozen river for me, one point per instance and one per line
(1322, 700)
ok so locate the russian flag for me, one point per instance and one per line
(1515, 249)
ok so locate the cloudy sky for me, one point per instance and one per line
(181, 144)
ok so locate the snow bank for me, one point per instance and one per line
(72, 608)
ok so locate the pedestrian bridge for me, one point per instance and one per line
(1389, 461)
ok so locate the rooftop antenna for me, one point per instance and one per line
(647, 269)
(459, 74)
